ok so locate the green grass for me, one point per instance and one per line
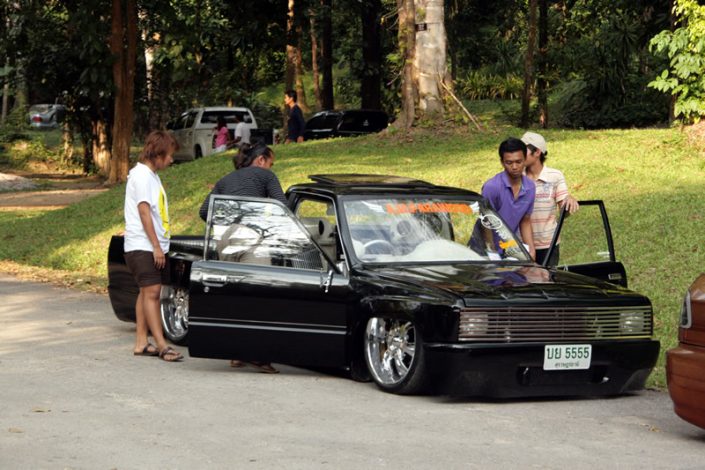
(649, 179)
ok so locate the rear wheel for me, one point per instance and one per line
(197, 152)
(174, 312)
(394, 355)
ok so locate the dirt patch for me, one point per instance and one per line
(54, 191)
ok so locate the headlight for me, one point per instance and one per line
(631, 323)
(686, 319)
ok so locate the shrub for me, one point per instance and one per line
(478, 85)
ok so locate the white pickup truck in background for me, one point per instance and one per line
(195, 128)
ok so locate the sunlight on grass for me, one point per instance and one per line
(649, 179)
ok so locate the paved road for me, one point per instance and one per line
(72, 396)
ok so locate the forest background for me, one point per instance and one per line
(123, 67)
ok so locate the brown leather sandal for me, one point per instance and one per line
(264, 367)
(169, 354)
(148, 350)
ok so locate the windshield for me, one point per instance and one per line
(396, 230)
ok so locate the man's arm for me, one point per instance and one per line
(146, 219)
(274, 189)
(527, 234)
(203, 211)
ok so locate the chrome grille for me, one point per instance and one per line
(538, 324)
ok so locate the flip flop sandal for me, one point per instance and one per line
(264, 367)
(168, 354)
(148, 350)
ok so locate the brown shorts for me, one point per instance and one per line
(141, 265)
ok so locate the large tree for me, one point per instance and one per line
(371, 80)
(123, 46)
(529, 64)
(422, 44)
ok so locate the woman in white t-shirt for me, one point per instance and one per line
(147, 241)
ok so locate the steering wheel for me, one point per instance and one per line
(379, 247)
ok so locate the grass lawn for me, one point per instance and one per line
(649, 179)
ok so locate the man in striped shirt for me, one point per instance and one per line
(551, 194)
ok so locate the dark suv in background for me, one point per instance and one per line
(345, 123)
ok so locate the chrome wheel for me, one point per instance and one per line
(174, 310)
(390, 351)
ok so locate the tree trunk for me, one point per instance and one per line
(291, 44)
(529, 65)
(67, 141)
(314, 57)
(101, 146)
(430, 67)
(123, 46)
(151, 42)
(326, 55)
(371, 80)
(541, 82)
(407, 46)
(5, 101)
(299, 68)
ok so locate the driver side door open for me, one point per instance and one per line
(264, 291)
(585, 246)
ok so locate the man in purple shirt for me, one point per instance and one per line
(511, 193)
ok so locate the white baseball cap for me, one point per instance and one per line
(537, 140)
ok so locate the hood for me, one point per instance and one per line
(516, 282)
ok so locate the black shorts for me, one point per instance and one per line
(541, 255)
(141, 265)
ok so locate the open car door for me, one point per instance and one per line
(585, 246)
(264, 290)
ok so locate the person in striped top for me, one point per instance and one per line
(551, 194)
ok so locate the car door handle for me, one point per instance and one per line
(219, 280)
(214, 280)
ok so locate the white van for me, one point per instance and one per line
(195, 128)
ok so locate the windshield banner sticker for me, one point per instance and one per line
(428, 207)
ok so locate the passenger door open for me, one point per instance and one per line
(585, 246)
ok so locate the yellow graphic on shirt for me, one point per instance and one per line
(164, 212)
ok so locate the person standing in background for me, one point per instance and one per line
(551, 195)
(242, 132)
(147, 233)
(511, 193)
(295, 123)
(222, 136)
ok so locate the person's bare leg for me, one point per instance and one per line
(141, 331)
(150, 304)
(150, 307)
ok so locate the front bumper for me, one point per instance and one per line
(685, 374)
(516, 370)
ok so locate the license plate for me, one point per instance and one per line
(566, 356)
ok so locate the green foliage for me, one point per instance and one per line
(15, 126)
(579, 104)
(477, 85)
(684, 78)
(609, 88)
(34, 150)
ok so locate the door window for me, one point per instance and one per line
(318, 216)
(583, 238)
(258, 231)
(211, 117)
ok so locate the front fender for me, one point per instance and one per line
(437, 321)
